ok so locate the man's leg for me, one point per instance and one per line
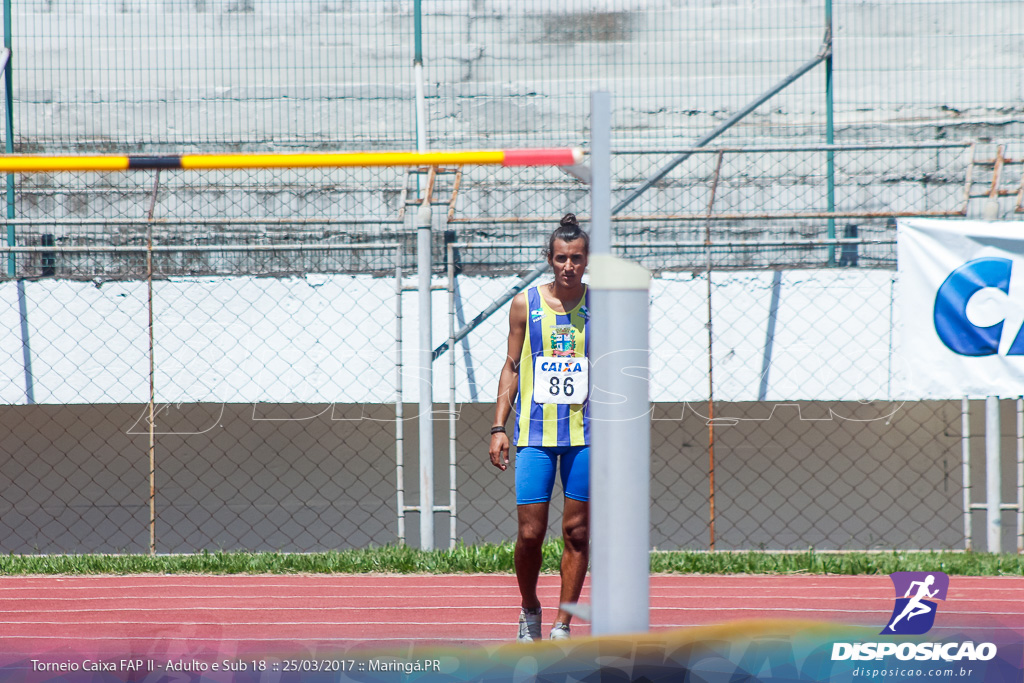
(535, 476)
(575, 557)
(533, 523)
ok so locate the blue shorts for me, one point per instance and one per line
(535, 473)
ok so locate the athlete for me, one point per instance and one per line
(544, 381)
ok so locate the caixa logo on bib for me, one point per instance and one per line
(951, 322)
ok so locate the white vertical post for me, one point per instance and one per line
(620, 451)
(601, 172)
(620, 432)
(426, 383)
(417, 66)
(421, 109)
(993, 478)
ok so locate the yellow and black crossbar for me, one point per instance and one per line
(496, 157)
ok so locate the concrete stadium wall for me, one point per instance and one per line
(332, 338)
(341, 69)
(316, 479)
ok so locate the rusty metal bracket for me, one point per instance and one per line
(1019, 206)
(997, 170)
(993, 188)
(455, 192)
(969, 179)
(431, 179)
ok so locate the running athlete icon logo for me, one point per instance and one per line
(914, 613)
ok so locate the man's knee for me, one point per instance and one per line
(576, 535)
(532, 528)
(530, 537)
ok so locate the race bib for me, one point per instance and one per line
(560, 379)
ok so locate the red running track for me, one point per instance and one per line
(174, 615)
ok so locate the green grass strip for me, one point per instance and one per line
(490, 558)
(810, 562)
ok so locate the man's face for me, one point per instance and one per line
(568, 260)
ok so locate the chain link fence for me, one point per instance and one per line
(246, 74)
(278, 363)
(246, 207)
(274, 409)
(277, 358)
(813, 442)
(257, 401)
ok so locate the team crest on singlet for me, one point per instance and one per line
(563, 341)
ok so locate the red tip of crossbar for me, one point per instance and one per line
(567, 156)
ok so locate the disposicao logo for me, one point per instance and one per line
(914, 612)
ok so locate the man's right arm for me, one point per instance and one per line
(508, 381)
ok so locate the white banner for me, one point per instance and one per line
(961, 298)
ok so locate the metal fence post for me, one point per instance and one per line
(1020, 474)
(830, 133)
(399, 407)
(993, 475)
(417, 65)
(452, 442)
(9, 131)
(601, 172)
(965, 450)
(426, 383)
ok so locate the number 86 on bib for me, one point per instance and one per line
(561, 380)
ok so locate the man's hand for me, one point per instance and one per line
(508, 381)
(499, 450)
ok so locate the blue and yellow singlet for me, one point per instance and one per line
(559, 335)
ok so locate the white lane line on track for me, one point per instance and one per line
(657, 609)
(46, 585)
(275, 624)
(410, 591)
(794, 592)
(319, 580)
(391, 596)
(178, 610)
(306, 642)
(145, 623)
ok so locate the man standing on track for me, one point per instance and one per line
(545, 379)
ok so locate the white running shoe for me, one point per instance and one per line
(560, 631)
(529, 625)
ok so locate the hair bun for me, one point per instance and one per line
(569, 220)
